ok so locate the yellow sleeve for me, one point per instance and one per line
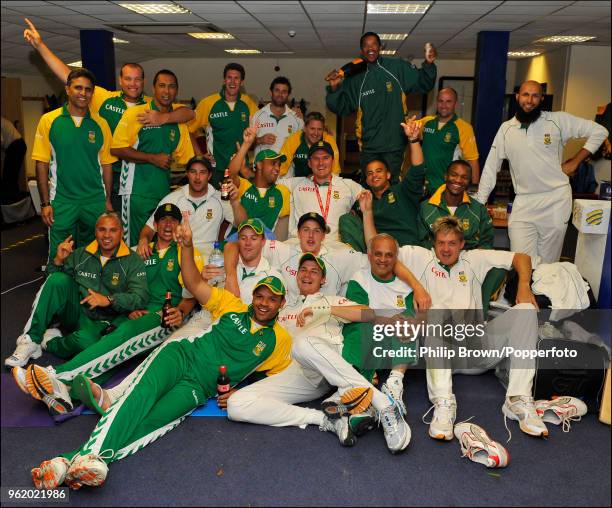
(99, 96)
(467, 140)
(199, 261)
(280, 358)
(184, 150)
(251, 105)
(332, 141)
(222, 301)
(42, 144)
(286, 209)
(126, 132)
(289, 147)
(423, 121)
(201, 113)
(105, 155)
(245, 185)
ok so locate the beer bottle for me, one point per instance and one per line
(223, 381)
(225, 195)
(166, 309)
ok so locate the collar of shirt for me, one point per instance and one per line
(65, 111)
(278, 118)
(446, 267)
(450, 121)
(222, 94)
(245, 271)
(331, 180)
(140, 99)
(209, 192)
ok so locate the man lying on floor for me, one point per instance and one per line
(140, 332)
(180, 375)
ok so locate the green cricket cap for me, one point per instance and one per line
(274, 284)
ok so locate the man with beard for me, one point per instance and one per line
(533, 143)
(276, 121)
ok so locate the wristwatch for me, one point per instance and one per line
(110, 299)
(45, 204)
(414, 140)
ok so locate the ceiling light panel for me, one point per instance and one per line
(380, 8)
(393, 37)
(155, 8)
(567, 38)
(237, 51)
(210, 35)
(522, 54)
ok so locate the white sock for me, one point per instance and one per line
(396, 373)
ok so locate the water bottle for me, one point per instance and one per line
(216, 258)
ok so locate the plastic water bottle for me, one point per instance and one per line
(216, 258)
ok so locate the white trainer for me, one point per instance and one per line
(340, 427)
(522, 409)
(43, 385)
(25, 350)
(477, 446)
(394, 389)
(397, 431)
(19, 375)
(88, 470)
(443, 420)
(561, 411)
(51, 473)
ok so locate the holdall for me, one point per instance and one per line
(581, 377)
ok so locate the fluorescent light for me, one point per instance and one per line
(567, 38)
(78, 63)
(210, 35)
(397, 8)
(520, 54)
(120, 41)
(279, 52)
(156, 8)
(393, 37)
(388, 52)
(238, 51)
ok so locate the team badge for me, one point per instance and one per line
(258, 349)
(290, 129)
(172, 135)
(170, 265)
(92, 137)
(595, 217)
(462, 277)
(547, 139)
(336, 194)
(391, 198)
(271, 202)
(209, 214)
(466, 224)
(389, 86)
(243, 116)
(400, 301)
(115, 279)
(447, 137)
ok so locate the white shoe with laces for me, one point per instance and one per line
(397, 431)
(340, 427)
(90, 470)
(26, 349)
(43, 384)
(443, 420)
(51, 473)
(522, 409)
(394, 389)
(561, 411)
(477, 446)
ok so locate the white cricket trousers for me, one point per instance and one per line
(518, 328)
(318, 365)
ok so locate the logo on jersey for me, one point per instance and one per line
(258, 349)
(595, 217)
(447, 137)
(462, 277)
(92, 137)
(115, 279)
(243, 116)
(209, 214)
(389, 86)
(336, 194)
(400, 301)
(466, 224)
(547, 140)
(170, 265)
(438, 273)
(172, 135)
(391, 198)
(271, 201)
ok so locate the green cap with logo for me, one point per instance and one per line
(255, 224)
(270, 155)
(274, 284)
(309, 256)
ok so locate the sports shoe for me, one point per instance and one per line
(523, 410)
(50, 334)
(561, 410)
(19, 375)
(88, 470)
(443, 420)
(43, 385)
(397, 431)
(477, 446)
(51, 473)
(363, 422)
(352, 401)
(394, 389)
(25, 350)
(340, 427)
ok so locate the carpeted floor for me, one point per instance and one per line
(211, 461)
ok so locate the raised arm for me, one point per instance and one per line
(412, 130)
(57, 66)
(230, 256)
(248, 138)
(369, 228)
(189, 271)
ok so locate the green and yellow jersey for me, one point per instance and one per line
(296, 149)
(268, 205)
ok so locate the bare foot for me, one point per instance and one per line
(100, 395)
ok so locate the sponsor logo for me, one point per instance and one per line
(429, 130)
(141, 274)
(221, 114)
(291, 271)
(115, 109)
(238, 322)
(547, 140)
(258, 349)
(115, 279)
(170, 265)
(150, 262)
(91, 137)
(595, 217)
(441, 274)
(87, 275)
(209, 214)
(368, 92)
(264, 125)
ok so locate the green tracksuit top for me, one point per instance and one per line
(123, 276)
(477, 225)
(239, 343)
(378, 96)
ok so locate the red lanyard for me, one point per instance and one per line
(329, 190)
